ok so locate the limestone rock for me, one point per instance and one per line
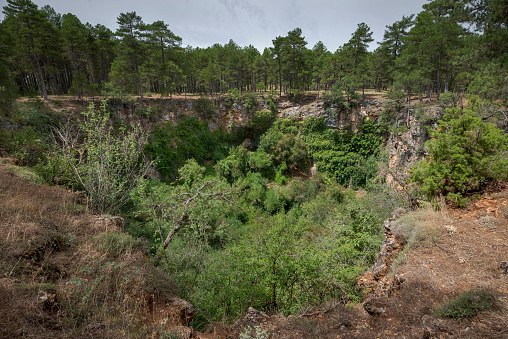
(374, 307)
(503, 265)
(183, 310)
(377, 283)
(432, 327)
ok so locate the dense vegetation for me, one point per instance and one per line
(239, 225)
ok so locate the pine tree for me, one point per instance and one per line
(25, 19)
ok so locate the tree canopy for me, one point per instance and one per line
(443, 48)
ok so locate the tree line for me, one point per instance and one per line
(448, 46)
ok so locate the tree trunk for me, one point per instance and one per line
(439, 76)
(40, 82)
(408, 106)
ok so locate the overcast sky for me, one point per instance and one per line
(202, 23)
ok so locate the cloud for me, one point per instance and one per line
(243, 9)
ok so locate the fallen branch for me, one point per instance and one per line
(443, 249)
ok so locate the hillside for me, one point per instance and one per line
(66, 273)
(456, 251)
(61, 265)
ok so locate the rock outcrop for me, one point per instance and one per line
(378, 283)
(406, 147)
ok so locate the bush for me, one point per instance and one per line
(465, 155)
(285, 144)
(345, 155)
(422, 227)
(171, 145)
(206, 108)
(107, 167)
(466, 305)
(251, 102)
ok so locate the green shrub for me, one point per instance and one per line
(104, 165)
(345, 155)
(28, 145)
(448, 100)
(393, 106)
(206, 108)
(271, 101)
(251, 101)
(343, 95)
(285, 144)
(466, 305)
(171, 145)
(465, 155)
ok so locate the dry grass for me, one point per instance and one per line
(62, 269)
(422, 227)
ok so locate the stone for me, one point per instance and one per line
(503, 265)
(432, 327)
(182, 309)
(373, 307)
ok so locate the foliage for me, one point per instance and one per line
(394, 104)
(422, 227)
(170, 145)
(116, 244)
(346, 155)
(251, 102)
(427, 53)
(343, 95)
(105, 166)
(466, 305)
(271, 101)
(206, 108)
(29, 141)
(260, 122)
(284, 143)
(193, 208)
(292, 259)
(465, 155)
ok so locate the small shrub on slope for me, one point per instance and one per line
(466, 305)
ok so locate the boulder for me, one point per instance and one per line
(182, 310)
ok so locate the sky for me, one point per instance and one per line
(202, 23)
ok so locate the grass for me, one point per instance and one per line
(487, 221)
(467, 305)
(24, 172)
(420, 228)
(115, 244)
(49, 243)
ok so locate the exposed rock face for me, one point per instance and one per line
(406, 149)
(237, 114)
(369, 109)
(377, 282)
